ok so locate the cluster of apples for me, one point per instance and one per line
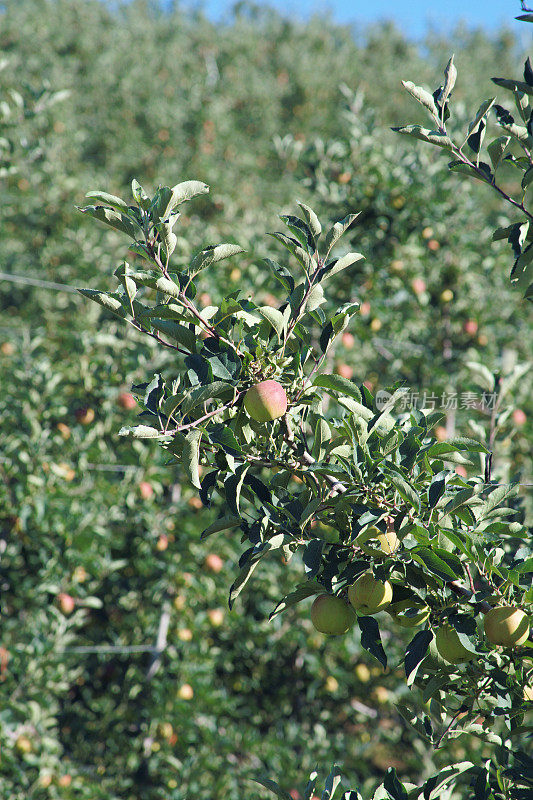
(505, 625)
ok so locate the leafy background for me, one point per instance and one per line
(162, 98)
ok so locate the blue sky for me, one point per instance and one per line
(412, 16)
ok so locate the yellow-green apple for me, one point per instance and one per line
(369, 595)
(384, 543)
(409, 613)
(506, 625)
(450, 647)
(332, 614)
(265, 401)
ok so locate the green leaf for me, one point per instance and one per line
(191, 455)
(371, 639)
(434, 564)
(481, 173)
(450, 76)
(212, 254)
(276, 319)
(112, 218)
(406, 491)
(139, 195)
(425, 135)
(422, 96)
(332, 781)
(338, 384)
(415, 654)
(434, 785)
(223, 524)
(496, 149)
(108, 301)
(241, 580)
(335, 233)
(109, 200)
(339, 264)
(312, 220)
(181, 333)
(514, 86)
(272, 786)
(302, 592)
(393, 786)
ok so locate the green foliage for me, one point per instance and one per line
(109, 522)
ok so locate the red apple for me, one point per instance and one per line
(470, 327)
(84, 415)
(419, 285)
(214, 563)
(265, 401)
(519, 417)
(66, 602)
(126, 401)
(146, 490)
(344, 370)
(348, 340)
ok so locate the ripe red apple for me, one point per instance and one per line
(440, 433)
(433, 245)
(126, 401)
(519, 417)
(344, 370)
(470, 327)
(66, 602)
(348, 340)
(419, 285)
(195, 503)
(265, 401)
(365, 308)
(460, 470)
(214, 563)
(506, 625)
(162, 542)
(64, 430)
(146, 490)
(84, 415)
(450, 647)
(369, 595)
(332, 614)
(216, 617)
(64, 781)
(7, 348)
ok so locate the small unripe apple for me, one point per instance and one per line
(185, 634)
(165, 730)
(376, 325)
(24, 745)
(427, 233)
(397, 265)
(506, 625)
(362, 673)
(186, 692)
(519, 417)
(66, 602)
(409, 613)
(45, 780)
(332, 684)
(265, 401)
(179, 602)
(385, 543)
(64, 430)
(446, 296)
(369, 595)
(380, 694)
(146, 490)
(84, 415)
(214, 563)
(7, 348)
(332, 615)
(126, 401)
(450, 647)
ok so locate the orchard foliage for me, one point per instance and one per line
(122, 672)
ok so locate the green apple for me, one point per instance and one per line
(409, 613)
(382, 544)
(450, 647)
(369, 595)
(265, 401)
(332, 614)
(506, 625)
